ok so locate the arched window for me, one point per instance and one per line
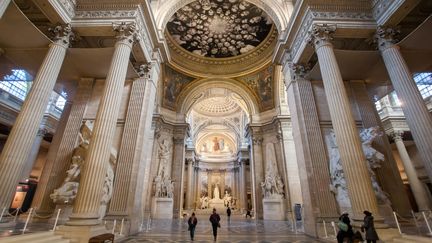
(17, 83)
(424, 84)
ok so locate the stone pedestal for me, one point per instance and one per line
(66, 211)
(218, 204)
(273, 209)
(162, 208)
(79, 234)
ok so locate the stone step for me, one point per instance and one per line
(417, 238)
(35, 238)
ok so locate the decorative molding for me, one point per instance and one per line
(143, 70)
(92, 14)
(299, 71)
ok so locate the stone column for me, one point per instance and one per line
(87, 202)
(33, 154)
(178, 168)
(62, 146)
(388, 173)
(257, 174)
(353, 160)
(3, 6)
(23, 133)
(243, 199)
(189, 192)
(130, 168)
(416, 185)
(417, 115)
(314, 147)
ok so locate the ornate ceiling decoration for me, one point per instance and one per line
(219, 28)
(217, 106)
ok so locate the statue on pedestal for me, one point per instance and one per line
(272, 186)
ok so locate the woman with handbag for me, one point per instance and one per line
(345, 229)
(214, 220)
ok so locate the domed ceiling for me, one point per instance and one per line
(217, 106)
(219, 28)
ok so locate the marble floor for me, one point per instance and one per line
(238, 230)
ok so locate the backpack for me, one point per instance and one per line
(342, 226)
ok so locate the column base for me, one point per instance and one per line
(84, 220)
(80, 234)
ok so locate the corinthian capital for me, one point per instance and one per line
(257, 140)
(62, 34)
(126, 32)
(397, 135)
(321, 34)
(143, 70)
(298, 71)
(386, 37)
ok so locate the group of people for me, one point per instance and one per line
(214, 221)
(346, 229)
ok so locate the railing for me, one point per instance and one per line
(421, 221)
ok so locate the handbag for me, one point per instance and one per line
(343, 226)
(219, 225)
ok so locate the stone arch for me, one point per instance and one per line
(271, 7)
(194, 92)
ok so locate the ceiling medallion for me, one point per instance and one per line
(219, 28)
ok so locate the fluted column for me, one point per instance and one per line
(417, 115)
(3, 6)
(62, 146)
(24, 131)
(33, 154)
(314, 147)
(353, 160)
(137, 126)
(257, 174)
(416, 185)
(243, 192)
(189, 192)
(87, 203)
(178, 169)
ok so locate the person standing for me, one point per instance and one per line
(345, 229)
(192, 222)
(214, 220)
(368, 225)
(248, 213)
(229, 214)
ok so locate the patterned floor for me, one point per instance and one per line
(239, 230)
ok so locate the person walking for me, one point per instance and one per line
(192, 222)
(214, 220)
(368, 226)
(229, 214)
(345, 229)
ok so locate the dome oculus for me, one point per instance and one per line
(219, 28)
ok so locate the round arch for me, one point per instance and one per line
(195, 91)
(271, 7)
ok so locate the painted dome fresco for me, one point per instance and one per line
(219, 28)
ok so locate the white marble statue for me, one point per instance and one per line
(227, 199)
(67, 192)
(272, 186)
(164, 187)
(164, 158)
(216, 193)
(374, 158)
(204, 200)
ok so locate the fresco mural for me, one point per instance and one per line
(262, 85)
(216, 145)
(219, 28)
(173, 82)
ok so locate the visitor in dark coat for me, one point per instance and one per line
(192, 222)
(214, 220)
(368, 226)
(229, 214)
